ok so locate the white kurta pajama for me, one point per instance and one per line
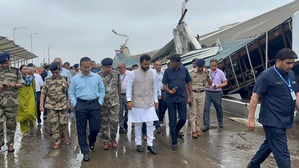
(141, 115)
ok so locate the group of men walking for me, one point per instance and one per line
(108, 99)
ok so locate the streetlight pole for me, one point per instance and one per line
(49, 52)
(14, 32)
(45, 56)
(31, 43)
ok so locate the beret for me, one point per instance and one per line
(30, 65)
(55, 66)
(195, 59)
(4, 57)
(76, 65)
(200, 62)
(107, 61)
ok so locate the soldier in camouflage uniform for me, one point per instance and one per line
(110, 107)
(56, 89)
(10, 81)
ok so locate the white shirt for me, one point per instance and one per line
(159, 82)
(130, 83)
(124, 79)
(138, 115)
(38, 81)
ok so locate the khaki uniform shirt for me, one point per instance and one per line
(9, 97)
(56, 91)
(111, 87)
(198, 79)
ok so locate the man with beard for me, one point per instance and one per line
(143, 101)
(278, 89)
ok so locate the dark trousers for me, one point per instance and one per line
(276, 142)
(173, 124)
(123, 112)
(87, 111)
(162, 106)
(45, 110)
(216, 99)
(37, 100)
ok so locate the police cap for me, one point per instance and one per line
(4, 57)
(76, 65)
(200, 62)
(107, 62)
(55, 66)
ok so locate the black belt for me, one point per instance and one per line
(213, 91)
(89, 101)
(123, 94)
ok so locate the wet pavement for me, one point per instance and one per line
(230, 147)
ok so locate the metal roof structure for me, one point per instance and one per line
(18, 53)
(120, 57)
(229, 48)
(254, 27)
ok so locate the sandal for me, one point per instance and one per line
(32, 129)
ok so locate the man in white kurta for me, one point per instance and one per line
(142, 102)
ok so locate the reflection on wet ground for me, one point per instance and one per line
(230, 147)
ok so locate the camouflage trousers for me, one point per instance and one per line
(11, 122)
(58, 121)
(109, 122)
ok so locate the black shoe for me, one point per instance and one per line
(51, 133)
(139, 148)
(181, 135)
(205, 129)
(121, 130)
(220, 125)
(175, 146)
(86, 157)
(91, 146)
(152, 149)
(45, 117)
(158, 130)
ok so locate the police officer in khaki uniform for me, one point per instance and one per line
(199, 75)
(110, 107)
(56, 89)
(10, 81)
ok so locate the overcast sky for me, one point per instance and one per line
(78, 28)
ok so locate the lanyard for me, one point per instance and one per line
(214, 75)
(111, 76)
(288, 84)
(123, 77)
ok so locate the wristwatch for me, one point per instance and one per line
(191, 96)
(208, 76)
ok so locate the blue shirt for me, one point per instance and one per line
(63, 72)
(87, 88)
(178, 79)
(96, 70)
(277, 105)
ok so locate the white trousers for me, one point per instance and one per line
(149, 131)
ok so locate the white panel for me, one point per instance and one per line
(295, 33)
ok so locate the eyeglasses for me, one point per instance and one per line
(120, 67)
(85, 68)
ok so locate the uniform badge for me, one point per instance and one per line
(63, 83)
